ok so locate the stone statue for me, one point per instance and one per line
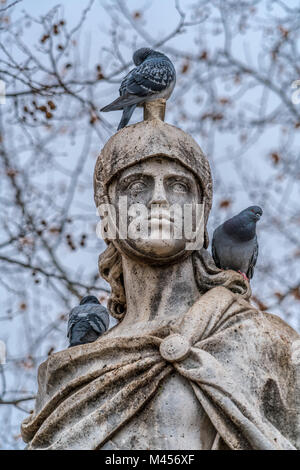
(191, 363)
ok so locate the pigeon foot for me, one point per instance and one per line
(244, 275)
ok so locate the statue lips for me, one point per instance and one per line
(161, 220)
(161, 215)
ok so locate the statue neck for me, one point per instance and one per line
(158, 292)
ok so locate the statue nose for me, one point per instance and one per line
(159, 194)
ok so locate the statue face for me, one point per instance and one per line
(159, 192)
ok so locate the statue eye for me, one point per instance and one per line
(137, 186)
(179, 187)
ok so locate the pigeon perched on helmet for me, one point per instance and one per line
(87, 322)
(153, 77)
(234, 244)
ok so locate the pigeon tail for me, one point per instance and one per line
(123, 102)
(127, 113)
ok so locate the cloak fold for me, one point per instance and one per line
(243, 366)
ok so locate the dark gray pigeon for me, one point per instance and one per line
(87, 322)
(153, 78)
(234, 244)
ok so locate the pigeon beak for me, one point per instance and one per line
(257, 216)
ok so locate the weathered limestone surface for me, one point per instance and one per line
(191, 364)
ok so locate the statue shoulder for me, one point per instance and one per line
(285, 331)
(273, 326)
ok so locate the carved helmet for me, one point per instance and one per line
(149, 138)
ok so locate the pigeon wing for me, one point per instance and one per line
(97, 323)
(125, 81)
(131, 90)
(97, 317)
(253, 259)
(149, 78)
(74, 317)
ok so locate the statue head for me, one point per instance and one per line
(165, 148)
(157, 166)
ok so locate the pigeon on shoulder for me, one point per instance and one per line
(153, 77)
(87, 322)
(234, 244)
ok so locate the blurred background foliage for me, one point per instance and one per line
(235, 62)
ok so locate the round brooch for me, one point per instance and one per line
(174, 348)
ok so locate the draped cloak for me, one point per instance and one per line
(243, 366)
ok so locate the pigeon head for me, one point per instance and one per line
(243, 225)
(142, 54)
(253, 213)
(89, 299)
